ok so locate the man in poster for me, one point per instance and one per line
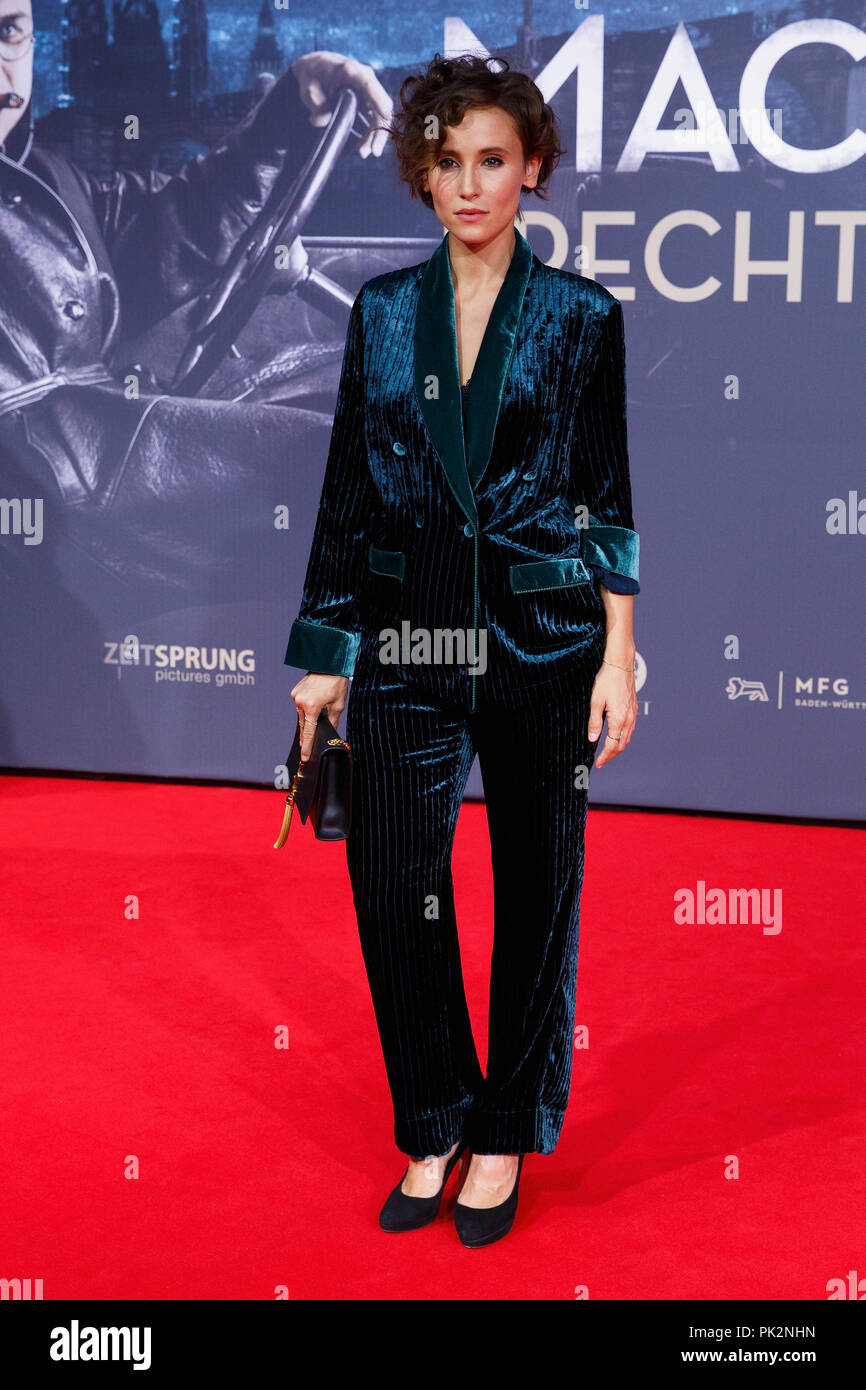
(88, 266)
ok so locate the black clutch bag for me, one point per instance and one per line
(321, 787)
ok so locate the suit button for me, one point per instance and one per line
(419, 518)
(530, 476)
(398, 447)
(73, 309)
(468, 529)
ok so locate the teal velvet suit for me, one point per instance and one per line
(501, 527)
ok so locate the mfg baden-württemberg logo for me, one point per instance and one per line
(810, 692)
(183, 663)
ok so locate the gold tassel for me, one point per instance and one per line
(287, 814)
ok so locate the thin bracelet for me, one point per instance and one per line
(618, 668)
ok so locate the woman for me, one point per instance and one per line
(472, 569)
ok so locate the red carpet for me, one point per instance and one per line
(151, 1040)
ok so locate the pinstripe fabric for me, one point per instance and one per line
(400, 478)
(413, 751)
(423, 527)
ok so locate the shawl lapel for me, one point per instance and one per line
(437, 374)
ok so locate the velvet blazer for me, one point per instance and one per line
(503, 527)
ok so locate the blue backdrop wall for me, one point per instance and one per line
(155, 523)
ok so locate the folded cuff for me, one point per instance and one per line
(513, 1131)
(614, 548)
(328, 651)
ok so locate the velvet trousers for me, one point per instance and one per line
(413, 742)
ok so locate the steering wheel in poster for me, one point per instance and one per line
(252, 267)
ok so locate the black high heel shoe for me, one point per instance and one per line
(403, 1213)
(483, 1225)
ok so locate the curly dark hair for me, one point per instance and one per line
(447, 90)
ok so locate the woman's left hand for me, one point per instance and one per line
(614, 695)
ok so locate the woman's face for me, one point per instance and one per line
(476, 180)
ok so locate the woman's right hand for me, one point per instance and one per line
(311, 695)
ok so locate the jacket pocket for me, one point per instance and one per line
(389, 562)
(548, 574)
